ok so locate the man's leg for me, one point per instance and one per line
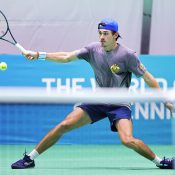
(75, 119)
(124, 127)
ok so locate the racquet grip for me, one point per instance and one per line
(21, 48)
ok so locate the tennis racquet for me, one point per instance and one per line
(6, 35)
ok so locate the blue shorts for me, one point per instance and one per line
(97, 112)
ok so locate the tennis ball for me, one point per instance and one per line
(3, 66)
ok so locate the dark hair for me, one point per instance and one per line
(113, 33)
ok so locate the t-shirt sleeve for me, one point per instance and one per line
(135, 66)
(83, 53)
(86, 52)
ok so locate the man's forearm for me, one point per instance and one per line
(61, 57)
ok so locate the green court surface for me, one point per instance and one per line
(84, 160)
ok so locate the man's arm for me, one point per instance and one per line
(61, 57)
(152, 82)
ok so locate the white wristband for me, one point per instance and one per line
(42, 55)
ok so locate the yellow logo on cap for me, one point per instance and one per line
(115, 68)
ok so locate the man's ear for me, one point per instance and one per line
(116, 35)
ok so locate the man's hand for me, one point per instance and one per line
(170, 106)
(31, 55)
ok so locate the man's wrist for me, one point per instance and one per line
(42, 55)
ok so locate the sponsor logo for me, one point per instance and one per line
(142, 67)
(115, 68)
(28, 163)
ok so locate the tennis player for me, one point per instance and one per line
(113, 65)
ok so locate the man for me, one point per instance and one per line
(113, 65)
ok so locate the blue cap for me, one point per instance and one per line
(108, 24)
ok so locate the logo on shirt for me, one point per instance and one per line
(142, 66)
(115, 68)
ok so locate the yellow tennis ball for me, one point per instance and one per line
(3, 66)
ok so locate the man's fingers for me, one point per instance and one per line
(30, 55)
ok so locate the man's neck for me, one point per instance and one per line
(111, 47)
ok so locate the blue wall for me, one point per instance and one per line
(23, 123)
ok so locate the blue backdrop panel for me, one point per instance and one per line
(28, 123)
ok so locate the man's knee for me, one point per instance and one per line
(128, 141)
(65, 126)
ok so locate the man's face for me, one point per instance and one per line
(106, 37)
